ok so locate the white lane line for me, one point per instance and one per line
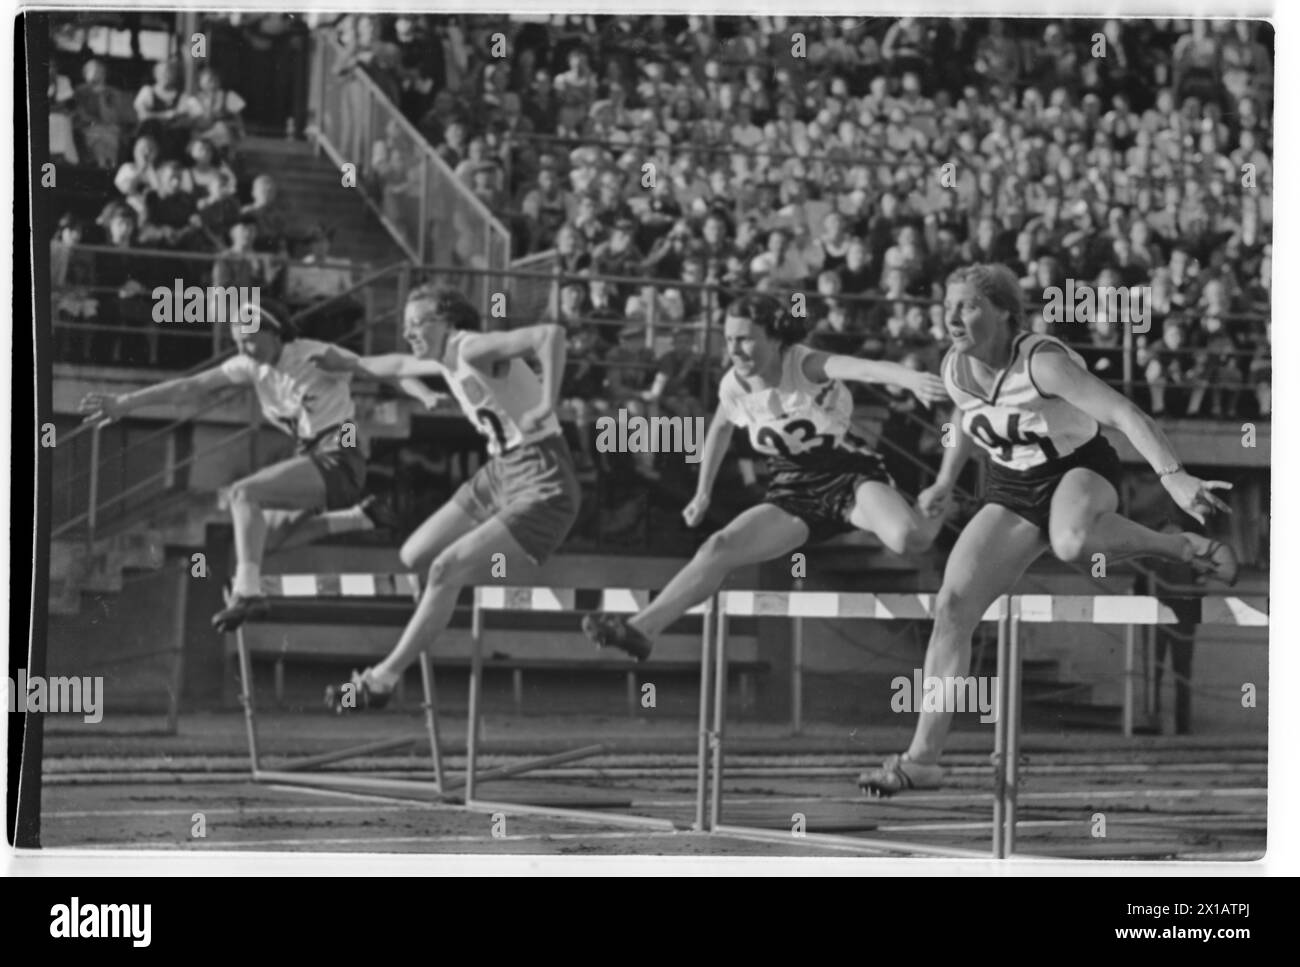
(638, 804)
(964, 799)
(1146, 823)
(221, 811)
(377, 840)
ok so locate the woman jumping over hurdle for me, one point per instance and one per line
(826, 481)
(521, 503)
(1032, 404)
(313, 494)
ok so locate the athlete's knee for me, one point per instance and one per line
(955, 610)
(907, 537)
(448, 568)
(412, 553)
(1069, 541)
(243, 493)
(718, 546)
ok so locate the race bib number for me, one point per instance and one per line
(793, 439)
(1004, 443)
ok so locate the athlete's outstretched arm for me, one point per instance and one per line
(1058, 375)
(716, 442)
(934, 499)
(926, 387)
(110, 406)
(546, 342)
(389, 366)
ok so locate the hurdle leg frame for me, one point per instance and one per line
(1011, 785)
(703, 739)
(830, 840)
(246, 699)
(1000, 736)
(430, 706)
(473, 776)
(719, 715)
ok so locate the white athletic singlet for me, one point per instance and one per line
(1018, 425)
(296, 395)
(798, 421)
(496, 399)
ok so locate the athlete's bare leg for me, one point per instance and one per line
(1083, 522)
(991, 554)
(885, 512)
(467, 560)
(759, 534)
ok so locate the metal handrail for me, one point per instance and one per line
(418, 141)
(92, 511)
(296, 318)
(221, 397)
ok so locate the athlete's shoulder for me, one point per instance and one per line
(1042, 351)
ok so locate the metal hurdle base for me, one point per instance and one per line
(563, 599)
(459, 791)
(796, 605)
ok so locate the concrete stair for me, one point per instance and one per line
(313, 187)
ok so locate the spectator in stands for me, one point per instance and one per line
(215, 113)
(420, 67)
(780, 262)
(318, 279)
(629, 372)
(214, 187)
(455, 144)
(101, 116)
(158, 107)
(1167, 366)
(241, 265)
(276, 225)
(124, 280)
(618, 255)
(170, 216)
(582, 389)
(63, 143)
(394, 178)
(678, 385)
(839, 331)
(545, 206)
(140, 174)
(1261, 372)
(72, 273)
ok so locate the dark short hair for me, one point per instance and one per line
(274, 316)
(449, 305)
(768, 314)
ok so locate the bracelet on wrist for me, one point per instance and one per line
(1176, 468)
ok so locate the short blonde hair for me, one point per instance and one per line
(998, 284)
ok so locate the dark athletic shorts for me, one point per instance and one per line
(532, 490)
(342, 468)
(1028, 493)
(824, 498)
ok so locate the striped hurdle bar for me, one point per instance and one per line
(333, 587)
(1128, 610)
(797, 605)
(614, 600)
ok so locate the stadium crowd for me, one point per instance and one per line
(854, 161)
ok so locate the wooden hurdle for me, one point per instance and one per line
(1128, 610)
(1009, 611)
(611, 600)
(463, 790)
